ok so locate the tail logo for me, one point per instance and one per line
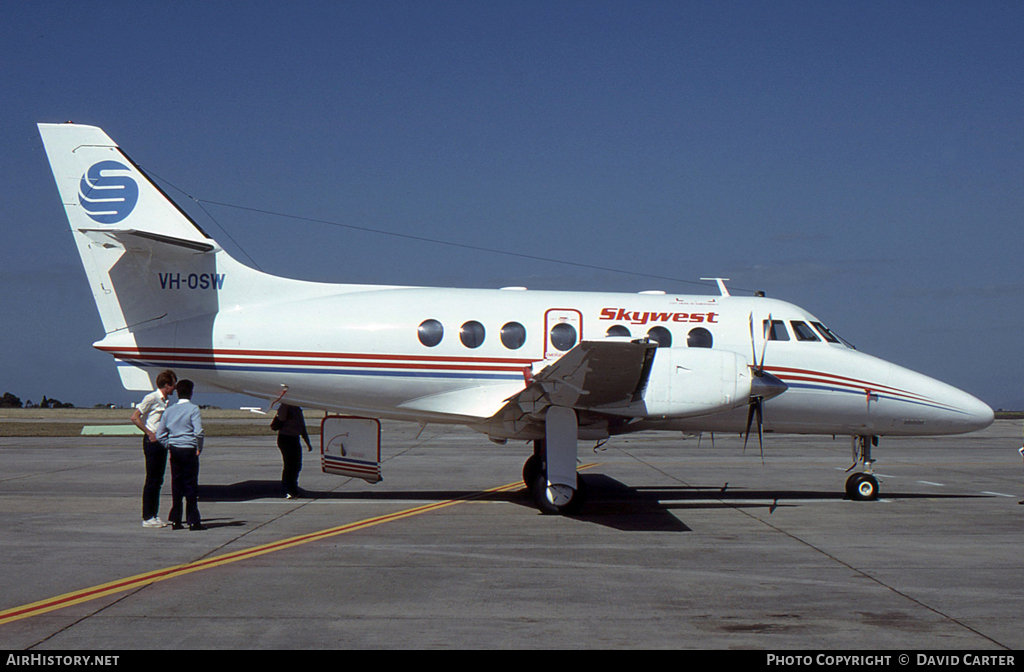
(108, 198)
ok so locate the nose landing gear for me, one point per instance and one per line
(863, 486)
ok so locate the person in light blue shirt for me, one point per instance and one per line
(181, 430)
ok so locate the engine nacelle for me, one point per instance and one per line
(686, 382)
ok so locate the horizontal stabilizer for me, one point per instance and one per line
(145, 239)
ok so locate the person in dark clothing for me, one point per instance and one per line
(291, 426)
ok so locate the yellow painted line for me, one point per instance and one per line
(141, 580)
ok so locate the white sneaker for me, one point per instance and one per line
(154, 522)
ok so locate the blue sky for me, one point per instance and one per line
(863, 160)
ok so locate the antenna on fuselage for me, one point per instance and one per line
(721, 285)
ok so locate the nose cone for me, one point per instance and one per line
(974, 413)
(766, 386)
(941, 408)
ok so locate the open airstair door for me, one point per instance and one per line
(350, 446)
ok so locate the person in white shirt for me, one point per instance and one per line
(147, 418)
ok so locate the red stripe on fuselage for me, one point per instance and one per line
(288, 357)
(786, 373)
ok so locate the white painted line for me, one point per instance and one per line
(997, 494)
(941, 485)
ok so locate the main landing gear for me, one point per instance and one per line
(863, 486)
(551, 498)
(550, 473)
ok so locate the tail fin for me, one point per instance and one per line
(114, 208)
(157, 278)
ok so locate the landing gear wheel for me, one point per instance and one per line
(534, 467)
(558, 499)
(862, 487)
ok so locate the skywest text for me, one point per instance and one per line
(636, 317)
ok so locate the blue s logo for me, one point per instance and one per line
(108, 198)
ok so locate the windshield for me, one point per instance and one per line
(831, 336)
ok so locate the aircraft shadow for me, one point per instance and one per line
(252, 490)
(610, 502)
(645, 509)
(613, 504)
(241, 492)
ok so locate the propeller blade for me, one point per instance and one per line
(764, 346)
(753, 350)
(750, 419)
(760, 429)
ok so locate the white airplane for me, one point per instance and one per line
(548, 367)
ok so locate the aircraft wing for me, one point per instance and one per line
(593, 375)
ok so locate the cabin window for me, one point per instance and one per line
(803, 332)
(563, 336)
(777, 332)
(430, 332)
(618, 330)
(513, 335)
(699, 338)
(472, 334)
(661, 336)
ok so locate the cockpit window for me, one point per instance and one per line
(825, 333)
(803, 332)
(831, 336)
(778, 331)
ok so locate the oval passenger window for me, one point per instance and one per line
(472, 334)
(699, 338)
(661, 336)
(513, 335)
(430, 333)
(563, 336)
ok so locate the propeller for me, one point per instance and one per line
(763, 386)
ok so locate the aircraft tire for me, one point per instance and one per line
(533, 467)
(542, 497)
(862, 487)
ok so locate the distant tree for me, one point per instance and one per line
(54, 403)
(10, 401)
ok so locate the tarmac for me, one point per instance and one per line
(684, 544)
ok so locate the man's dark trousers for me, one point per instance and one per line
(156, 466)
(184, 484)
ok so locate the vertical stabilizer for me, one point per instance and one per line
(119, 218)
